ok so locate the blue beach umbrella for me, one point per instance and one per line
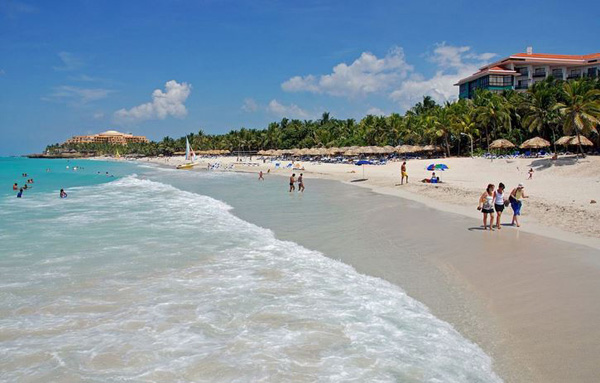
(362, 164)
(441, 167)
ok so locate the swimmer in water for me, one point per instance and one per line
(63, 194)
(15, 186)
(20, 193)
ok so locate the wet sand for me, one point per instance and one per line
(530, 302)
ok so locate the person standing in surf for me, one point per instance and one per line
(292, 181)
(260, 176)
(486, 205)
(516, 195)
(301, 183)
(499, 203)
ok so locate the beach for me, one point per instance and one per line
(530, 301)
(161, 274)
(561, 192)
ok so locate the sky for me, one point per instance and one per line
(171, 67)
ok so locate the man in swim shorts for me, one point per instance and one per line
(403, 173)
(292, 181)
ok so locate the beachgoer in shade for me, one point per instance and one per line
(292, 181)
(499, 203)
(403, 173)
(63, 194)
(516, 196)
(301, 183)
(20, 193)
(260, 176)
(15, 186)
(486, 205)
(530, 174)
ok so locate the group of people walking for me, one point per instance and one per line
(494, 201)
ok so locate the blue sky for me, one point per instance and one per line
(171, 67)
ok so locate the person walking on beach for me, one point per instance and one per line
(301, 183)
(516, 195)
(486, 205)
(530, 174)
(403, 173)
(260, 176)
(292, 181)
(499, 203)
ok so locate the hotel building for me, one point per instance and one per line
(108, 137)
(522, 70)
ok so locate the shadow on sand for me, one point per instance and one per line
(359, 180)
(545, 163)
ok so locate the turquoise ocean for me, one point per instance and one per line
(144, 274)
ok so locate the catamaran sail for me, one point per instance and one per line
(189, 156)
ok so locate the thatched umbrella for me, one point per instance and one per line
(333, 151)
(584, 141)
(428, 148)
(501, 144)
(351, 152)
(563, 141)
(535, 143)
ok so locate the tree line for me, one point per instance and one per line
(549, 109)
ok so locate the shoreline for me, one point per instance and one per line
(579, 227)
(507, 301)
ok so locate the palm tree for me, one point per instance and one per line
(492, 112)
(538, 111)
(580, 109)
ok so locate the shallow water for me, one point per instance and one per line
(139, 280)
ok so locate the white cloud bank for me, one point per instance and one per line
(289, 111)
(367, 74)
(70, 62)
(171, 102)
(393, 77)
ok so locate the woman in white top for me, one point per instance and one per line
(486, 205)
(499, 203)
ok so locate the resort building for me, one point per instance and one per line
(108, 137)
(521, 70)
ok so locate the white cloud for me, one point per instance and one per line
(249, 105)
(98, 115)
(73, 95)
(289, 111)
(366, 75)
(84, 78)
(171, 102)
(70, 62)
(374, 111)
(453, 63)
(2, 72)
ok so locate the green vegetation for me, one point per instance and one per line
(548, 109)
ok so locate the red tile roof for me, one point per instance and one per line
(563, 57)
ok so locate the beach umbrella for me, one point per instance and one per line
(535, 143)
(388, 149)
(441, 167)
(584, 141)
(362, 164)
(501, 144)
(563, 141)
(428, 148)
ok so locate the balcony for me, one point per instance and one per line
(539, 74)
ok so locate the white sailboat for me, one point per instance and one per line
(189, 156)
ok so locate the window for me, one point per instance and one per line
(497, 80)
(522, 71)
(557, 73)
(592, 72)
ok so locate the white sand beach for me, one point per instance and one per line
(561, 192)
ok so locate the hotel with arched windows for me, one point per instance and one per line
(108, 137)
